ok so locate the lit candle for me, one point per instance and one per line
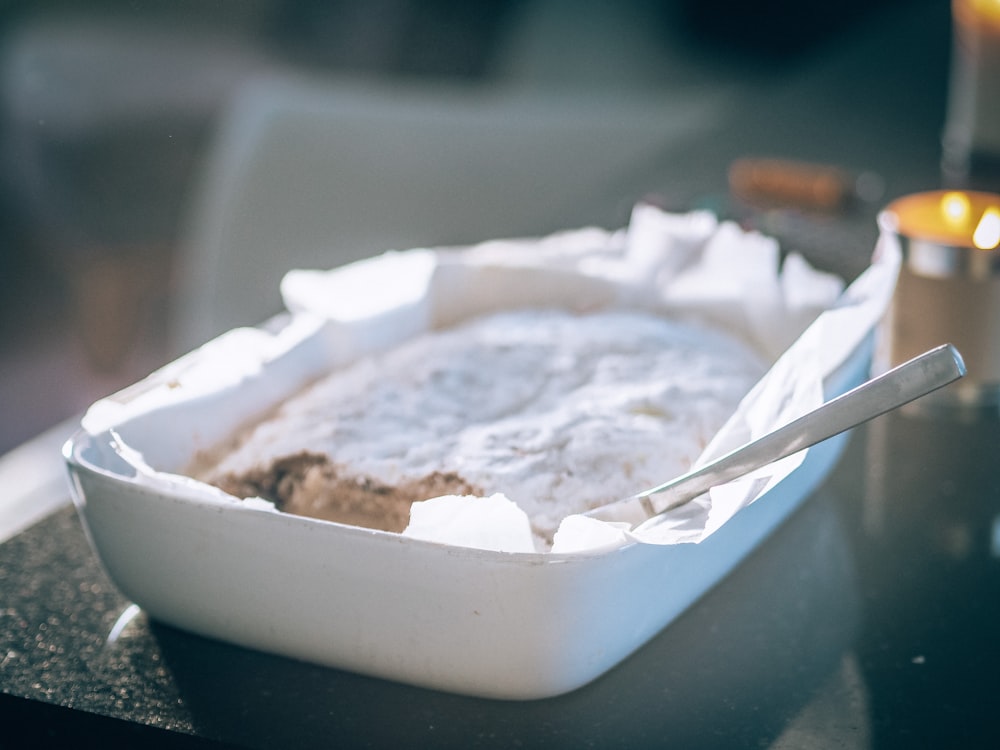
(972, 130)
(961, 219)
(949, 285)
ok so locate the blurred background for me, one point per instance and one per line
(121, 129)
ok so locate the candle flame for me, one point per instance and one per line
(987, 234)
(955, 208)
(954, 218)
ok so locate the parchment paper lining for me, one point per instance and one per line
(686, 265)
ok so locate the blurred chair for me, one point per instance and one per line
(306, 173)
(102, 118)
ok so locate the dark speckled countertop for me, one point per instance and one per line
(868, 620)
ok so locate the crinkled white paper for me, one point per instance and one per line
(678, 264)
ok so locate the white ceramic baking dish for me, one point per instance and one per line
(477, 622)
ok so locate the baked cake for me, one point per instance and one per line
(559, 412)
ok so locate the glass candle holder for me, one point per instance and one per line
(949, 286)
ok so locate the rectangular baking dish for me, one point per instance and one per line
(475, 622)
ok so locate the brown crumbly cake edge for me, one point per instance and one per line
(309, 484)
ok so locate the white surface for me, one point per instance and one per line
(33, 478)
